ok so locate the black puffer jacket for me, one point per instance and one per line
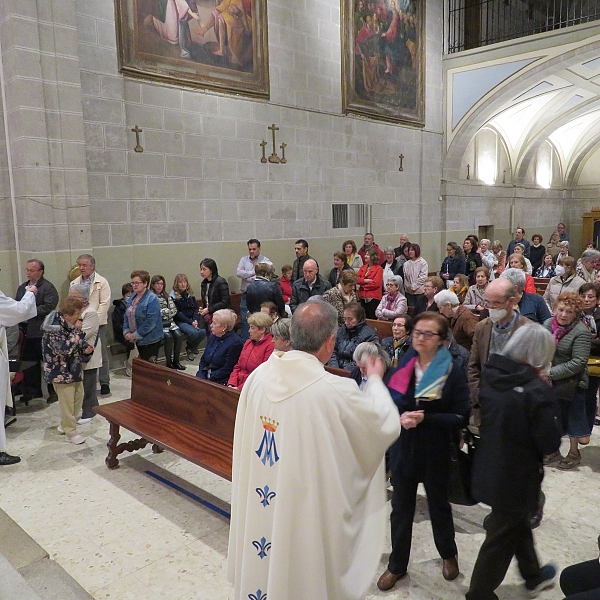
(346, 341)
(519, 425)
(216, 296)
(262, 290)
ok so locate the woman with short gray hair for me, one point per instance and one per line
(393, 303)
(280, 330)
(362, 351)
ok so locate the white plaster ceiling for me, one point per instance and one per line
(546, 93)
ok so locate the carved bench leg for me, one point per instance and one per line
(156, 449)
(111, 460)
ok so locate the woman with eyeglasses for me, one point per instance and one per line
(143, 324)
(433, 400)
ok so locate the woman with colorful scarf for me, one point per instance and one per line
(569, 375)
(433, 400)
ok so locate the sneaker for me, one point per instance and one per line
(104, 389)
(77, 439)
(60, 429)
(128, 367)
(190, 355)
(83, 421)
(544, 581)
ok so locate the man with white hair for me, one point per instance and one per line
(531, 306)
(488, 258)
(462, 321)
(12, 312)
(99, 300)
(292, 533)
(587, 265)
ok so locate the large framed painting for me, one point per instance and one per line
(213, 44)
(383, 55)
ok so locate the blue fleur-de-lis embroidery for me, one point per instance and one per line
(262, 546)
(265, 494)
(258, 596)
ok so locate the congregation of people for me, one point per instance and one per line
(473, 333)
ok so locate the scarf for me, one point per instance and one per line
(390, 301)
(559, 332)
(432, 383)
(590, 322)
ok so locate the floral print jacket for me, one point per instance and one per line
(62, 347)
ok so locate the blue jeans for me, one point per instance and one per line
(244, 328)
(194, 336)
(574, 423)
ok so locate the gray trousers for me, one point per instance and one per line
(103, 371)
(90, 399)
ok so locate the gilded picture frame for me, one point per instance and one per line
(383, 60)
(218, 45)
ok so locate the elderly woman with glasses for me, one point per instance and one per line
(433, 400)
(143, 324)
(393, 303)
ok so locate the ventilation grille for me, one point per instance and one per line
(345, 216)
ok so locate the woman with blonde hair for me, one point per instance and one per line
(343, 293)
(256, 350)
(187, 317)
(222, 350)
(517, 261)
(500, 255)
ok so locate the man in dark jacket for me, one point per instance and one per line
(301, 250)
(519, 425)
(312, 284)
(262, 289)
(46, 300)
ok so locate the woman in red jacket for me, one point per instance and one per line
(370, 280)
(256, 350)
(517, 261)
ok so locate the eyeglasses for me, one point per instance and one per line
(399, 325)
(424, 334)
(137, 282)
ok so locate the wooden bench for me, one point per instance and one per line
(541, 283)
(383, 328)
(188, 416)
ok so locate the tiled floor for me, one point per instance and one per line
(123, 535)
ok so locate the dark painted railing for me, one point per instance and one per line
(475, 23)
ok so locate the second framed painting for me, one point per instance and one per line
(213, 44)
(383, 56)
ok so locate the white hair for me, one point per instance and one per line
(446, 297)
(531, 344)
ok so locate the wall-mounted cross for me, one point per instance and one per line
(137, 132)
(401, 157)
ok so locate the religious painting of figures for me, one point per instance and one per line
(212, 44)
(383, 59)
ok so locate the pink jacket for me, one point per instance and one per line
(253, 355)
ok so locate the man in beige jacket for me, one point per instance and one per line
(99, 299)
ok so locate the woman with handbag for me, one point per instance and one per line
(569, 374)
(518, 427)
(433, 400)
(590, 294)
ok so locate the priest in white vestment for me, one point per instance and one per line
(11, 313)
(308, 499)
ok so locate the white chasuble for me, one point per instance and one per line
(308, 496)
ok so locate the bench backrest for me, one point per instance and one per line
(196, 402)
(383, 328)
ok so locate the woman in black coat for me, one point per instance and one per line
(432, 396)
(454, 264)
(214, 291)
(519, 426)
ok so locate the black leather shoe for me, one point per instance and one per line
(7, 459)
(25, 399)
(104, 389)
(179, 367)
(52, 398)
(388, 580)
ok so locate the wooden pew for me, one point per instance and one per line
(541, 283)
(188, 416)
(383, 328)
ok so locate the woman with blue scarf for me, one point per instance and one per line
(432, 396)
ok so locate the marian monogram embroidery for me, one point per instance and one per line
(262, 546)
(267, 450)
(266, 494)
